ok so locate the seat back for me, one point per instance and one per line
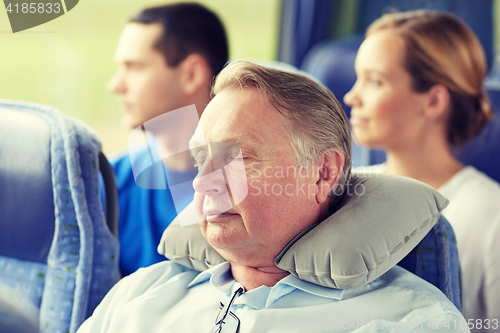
(304, 23)
(435, 259)
(16, 314)
(332, 63)
(56, 249)
(477, 15)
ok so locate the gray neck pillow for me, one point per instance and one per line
(377, 222)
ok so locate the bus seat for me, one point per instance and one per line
(16, 314)
(435, 259)
(332, 63)
(304, 23)
(477, 15)
(56, 248)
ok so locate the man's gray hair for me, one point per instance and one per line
(314, 119)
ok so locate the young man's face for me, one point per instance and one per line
(146, 85)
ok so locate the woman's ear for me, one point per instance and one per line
(437, 102)
(330, 169)
(195, 73)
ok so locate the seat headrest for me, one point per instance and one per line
(26, 196)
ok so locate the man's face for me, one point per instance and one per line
(279, 204)
(146, 85)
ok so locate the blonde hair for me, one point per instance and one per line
(313, 118)
(440, 49)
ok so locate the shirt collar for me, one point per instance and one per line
(221, 278)
(219, 275)
(312, 288)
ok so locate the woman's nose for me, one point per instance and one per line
(349, 97)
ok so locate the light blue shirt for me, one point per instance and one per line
(168, 297)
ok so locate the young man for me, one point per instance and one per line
(167, 57)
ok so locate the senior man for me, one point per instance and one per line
(282, 123)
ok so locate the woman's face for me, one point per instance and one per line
(385, 112)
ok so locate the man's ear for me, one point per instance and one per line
(195, 73)
(437, 102)
(330, 169)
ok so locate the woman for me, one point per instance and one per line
(419, 96)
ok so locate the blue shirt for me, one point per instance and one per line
(168, 297)
(144, 213)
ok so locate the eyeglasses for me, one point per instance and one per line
(226, 320)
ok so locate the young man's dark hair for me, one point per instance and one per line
(188, 28)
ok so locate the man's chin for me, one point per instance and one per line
(129, 121)
(220, 240)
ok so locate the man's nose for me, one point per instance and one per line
(209, 182)
(116, 84)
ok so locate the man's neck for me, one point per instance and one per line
(254, 277)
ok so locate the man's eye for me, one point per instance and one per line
(199, 159)
(238, 158)
(375, 82)
(199, 164)
(134, 67)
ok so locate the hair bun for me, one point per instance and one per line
(484, 113)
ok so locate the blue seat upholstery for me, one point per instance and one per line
(435, 259)
(304, 23)
(16, 314)
(332, 63)
(477, 15)
(56, 249)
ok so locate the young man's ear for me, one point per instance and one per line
(330, 169)
(195, 74)
(438, 102)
